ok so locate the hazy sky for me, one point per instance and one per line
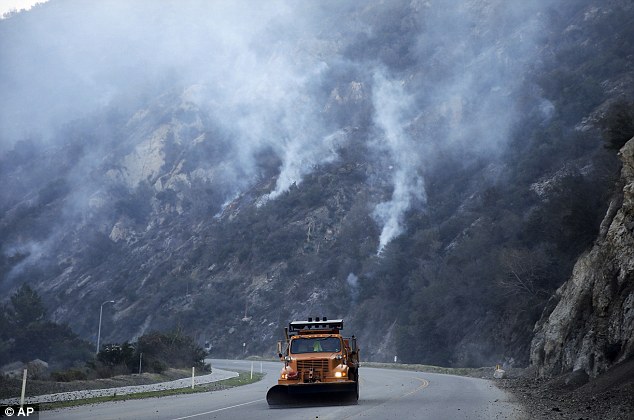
(9, 5)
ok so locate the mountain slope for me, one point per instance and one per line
(430, 175)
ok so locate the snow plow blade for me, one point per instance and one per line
(337, 393)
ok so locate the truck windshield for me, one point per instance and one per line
(310, 345)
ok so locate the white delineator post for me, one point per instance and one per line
(23, 389)
(193, 373)
(251, 370)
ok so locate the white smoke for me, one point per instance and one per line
(353, 282)
(303, 155)
(392, 112)
(31, 252)
(265, 67)
(460, 101)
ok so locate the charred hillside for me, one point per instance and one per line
(430, 176)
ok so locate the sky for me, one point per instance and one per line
(9, 5)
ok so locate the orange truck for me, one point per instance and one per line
(320, 365)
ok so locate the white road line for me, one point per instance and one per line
(217, 410)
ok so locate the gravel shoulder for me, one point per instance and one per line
(46, 391)
(574, 395)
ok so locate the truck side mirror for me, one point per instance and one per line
(279, 349)
(353, 344)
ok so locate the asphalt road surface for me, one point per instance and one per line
(384, 394)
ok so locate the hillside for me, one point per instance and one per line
(429, 175)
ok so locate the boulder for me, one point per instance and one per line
(499, 374)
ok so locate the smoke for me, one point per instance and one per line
(28, 253)
(250, 68)
(443, 80)
(392, 110)
(459, 99)
(301, 157)
(353, 282)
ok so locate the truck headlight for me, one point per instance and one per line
(341, 371)
(289, 374)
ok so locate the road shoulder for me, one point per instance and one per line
(215, 376)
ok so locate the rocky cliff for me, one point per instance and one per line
(591, 326)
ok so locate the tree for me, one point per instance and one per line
(525, 272)
(173, 349)
(26, 334)
(27, 307)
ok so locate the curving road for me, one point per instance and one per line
(384, 394)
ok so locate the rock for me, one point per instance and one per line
(576, 379)
(591, 326)
(499, 374)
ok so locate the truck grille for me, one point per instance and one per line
(319, 365)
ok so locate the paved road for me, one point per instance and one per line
(385, 394)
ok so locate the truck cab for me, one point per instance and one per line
(318, 359)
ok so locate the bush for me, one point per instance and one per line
(158, 366)
(69, 375)
(115, 354)
(171, 349)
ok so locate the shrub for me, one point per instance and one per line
(117, 354)
(158, 366)
(69, 375)
(171, 349)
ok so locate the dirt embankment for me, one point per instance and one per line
(610, 396)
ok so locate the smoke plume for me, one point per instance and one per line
(259, 76)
